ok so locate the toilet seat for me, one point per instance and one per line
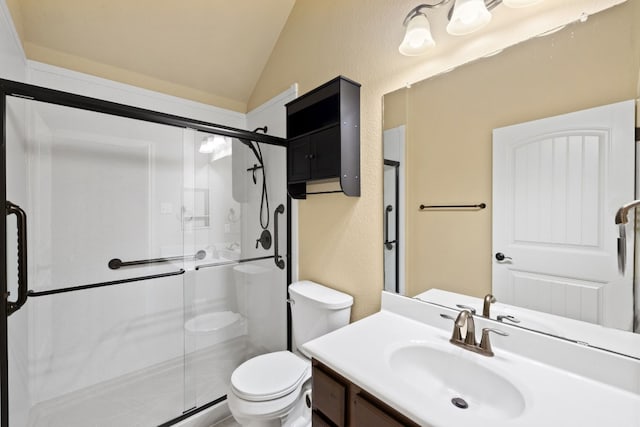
(269, 376)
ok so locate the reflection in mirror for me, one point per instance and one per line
(393, 209)
(553, 210)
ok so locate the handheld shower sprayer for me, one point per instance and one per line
(265, 236)
(622, 217)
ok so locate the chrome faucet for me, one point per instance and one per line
(486, 308)
(465, 318)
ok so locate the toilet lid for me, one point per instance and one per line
(269, 376)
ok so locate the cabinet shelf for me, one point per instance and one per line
(323, 138)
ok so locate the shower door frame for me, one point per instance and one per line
(51, 96)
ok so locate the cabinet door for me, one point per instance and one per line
(366, 414)
(329, 397)
(325, 151)
(298, 160)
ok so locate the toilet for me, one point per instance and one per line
(274, 389)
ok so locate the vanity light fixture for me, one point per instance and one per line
(465, 17)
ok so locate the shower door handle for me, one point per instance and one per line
(388, 244)
(276, 257)
(21, 222)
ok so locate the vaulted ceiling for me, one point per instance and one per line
(211, 51)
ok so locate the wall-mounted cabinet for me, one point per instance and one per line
(323, 135)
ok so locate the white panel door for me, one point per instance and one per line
(557, 184)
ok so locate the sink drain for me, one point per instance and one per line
(459, 402)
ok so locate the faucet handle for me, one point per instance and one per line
(485, 343)
(467, 307)
(456, 335)
(503, 317)
(448, 317)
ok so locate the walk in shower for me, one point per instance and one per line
(146, 258)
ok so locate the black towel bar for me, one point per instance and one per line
(103, 284)
(117, 263)
(478, 206)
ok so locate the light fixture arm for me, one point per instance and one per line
(418, 10)
(491, 4)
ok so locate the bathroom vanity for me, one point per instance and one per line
(339, 402)
(397, 367)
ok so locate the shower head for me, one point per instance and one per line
(253, 148)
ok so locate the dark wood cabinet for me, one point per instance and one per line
(323, 136)
(314, 157)
(337, 402)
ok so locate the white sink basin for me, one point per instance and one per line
(445, 375)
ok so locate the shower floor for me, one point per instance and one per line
(146, 398)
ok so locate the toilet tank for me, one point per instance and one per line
(317, 310)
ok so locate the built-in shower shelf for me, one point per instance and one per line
(214, 328)
(212, 322)
(323, 137)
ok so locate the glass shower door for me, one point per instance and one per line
(236, 216)
(100, 340)
(156, 259)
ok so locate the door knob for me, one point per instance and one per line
(501, 257)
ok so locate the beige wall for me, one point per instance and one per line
(395, 108)
(340, 237)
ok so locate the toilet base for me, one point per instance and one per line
(296, 414)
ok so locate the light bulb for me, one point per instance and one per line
(417, 39)
(468, 16)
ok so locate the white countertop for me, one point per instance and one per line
(553, 397)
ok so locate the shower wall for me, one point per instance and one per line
(273, 115)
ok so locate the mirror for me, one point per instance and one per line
(440, 132)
